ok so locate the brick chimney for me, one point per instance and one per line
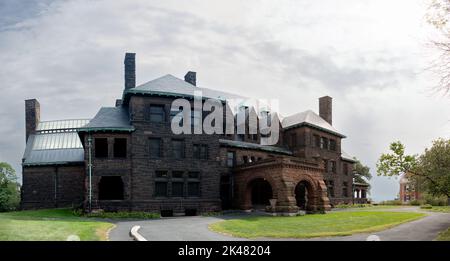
(325, 108)
(130, 70)
(32, 116)
(191, 77)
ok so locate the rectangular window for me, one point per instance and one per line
(177, 189)
(161, 174)
(194, 189)
(330, 187)
(317, 141)
(323, 143)
(120, 148)
(333, 145)
(178, 149)
(333, 166)
(157, 113)
(161, 189)
(200, 151)
(101, 147)
(193, 174)
(231, 158)
(245, 159)
(177, 174)
(344, 190)
(155, 147)
(325, 164)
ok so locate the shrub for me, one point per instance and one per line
(426, 206)
(391, 202)
(416, 202)
(353, 205)
(212, 213)
(118, 214)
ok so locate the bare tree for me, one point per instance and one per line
(438, 15)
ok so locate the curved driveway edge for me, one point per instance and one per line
(196, 229)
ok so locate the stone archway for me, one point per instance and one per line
(260, 192)
(304, 195)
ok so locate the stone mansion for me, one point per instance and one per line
(127, 158)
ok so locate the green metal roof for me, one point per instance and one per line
(109, 119)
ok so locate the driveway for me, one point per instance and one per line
(172, 229)
(196, 229)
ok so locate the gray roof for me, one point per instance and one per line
(55, 142)
(110, 118)
(64, 125)
(346, 156)
(254, 146)
(169, 85)
(309, 118)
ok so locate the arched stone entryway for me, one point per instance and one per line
(260, 193)
(305, 195)
(283, 174)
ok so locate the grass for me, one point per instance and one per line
(444, 235)
(50, 225)
(444, 209)
(331, 224)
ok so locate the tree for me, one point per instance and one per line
(438, 15)
(9, 188)
(434, 164)
(361, 173)
(432, 168)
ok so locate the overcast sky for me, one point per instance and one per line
(369, 55)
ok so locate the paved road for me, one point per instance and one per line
(196, 228)
(171, 229)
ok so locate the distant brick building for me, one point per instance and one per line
(409, 189)
(128, 158)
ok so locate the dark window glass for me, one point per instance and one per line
(317, 141)
(333, 166)
(345, 190)
(161, 189)
(333, 145)
(177, 174)
(194, 175)
(120, 148)
(101, 148)
(204, 151)
(178, 149)
(325, 163)
(330, 186)
(193, 189)
(323, 143)
(157, 113)
(230, 159)
(161, 174)
(196, 151)
(155, 147)
(245, 159)
(177, 189)
(252, 159)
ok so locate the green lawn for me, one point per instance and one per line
(444, 209)
(330, 224)
(50, 225)
(444, 235)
